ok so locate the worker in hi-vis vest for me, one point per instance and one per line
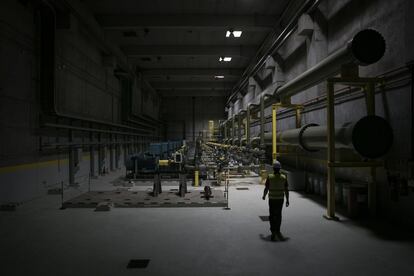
(277, 187)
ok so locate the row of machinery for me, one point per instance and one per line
(198, 161)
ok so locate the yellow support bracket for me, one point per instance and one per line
(196, 178)
(163, 162)
(284, 104)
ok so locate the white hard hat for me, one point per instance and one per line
(277, 165)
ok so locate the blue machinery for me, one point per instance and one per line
(165, 154)
(164, 150)
(166, 158)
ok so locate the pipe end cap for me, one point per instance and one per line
(368, 46)
(372, 136)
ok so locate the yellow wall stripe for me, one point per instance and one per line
(38, 165)
(35, 165)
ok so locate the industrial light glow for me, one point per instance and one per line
(225, 59)
(219, 77)
(233, 33)
(237, 33)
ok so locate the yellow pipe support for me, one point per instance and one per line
(369, 88)
(211, 129)
(163, 162)
(196, 178)
(274, 148)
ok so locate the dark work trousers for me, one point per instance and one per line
(275, 214)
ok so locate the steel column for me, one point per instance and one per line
(239, 128)
(193, 117)
(72, 166)
(262, 122)
(92, 161)
(331, 150)
(247, 130)
(233, 130)
(91, 155)
(111, 157)
(274, 131)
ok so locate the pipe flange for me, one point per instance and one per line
(301, 143)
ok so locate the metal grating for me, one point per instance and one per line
(142, 199)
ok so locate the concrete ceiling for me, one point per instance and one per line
(176, 44)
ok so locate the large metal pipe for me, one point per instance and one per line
(365, 48)
(370, 136)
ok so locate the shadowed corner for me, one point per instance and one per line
(268, 238)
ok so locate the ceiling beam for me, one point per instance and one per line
(194, 93)
(199, 85)
(131, 21)
(192, 72)
(188, 50)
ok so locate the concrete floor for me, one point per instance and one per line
(40, 239)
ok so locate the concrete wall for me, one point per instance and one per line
(145, 100)
(85, 86)
(345, 18)
(334, 23)
(177, 112)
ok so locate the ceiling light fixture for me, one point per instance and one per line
(237, 33)
(225, 59)
(219, 77)
(233, 33)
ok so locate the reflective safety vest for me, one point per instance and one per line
(277, 183)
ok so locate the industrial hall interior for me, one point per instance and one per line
(206, 137)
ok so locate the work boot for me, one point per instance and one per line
(273, 237)
(280, 236)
